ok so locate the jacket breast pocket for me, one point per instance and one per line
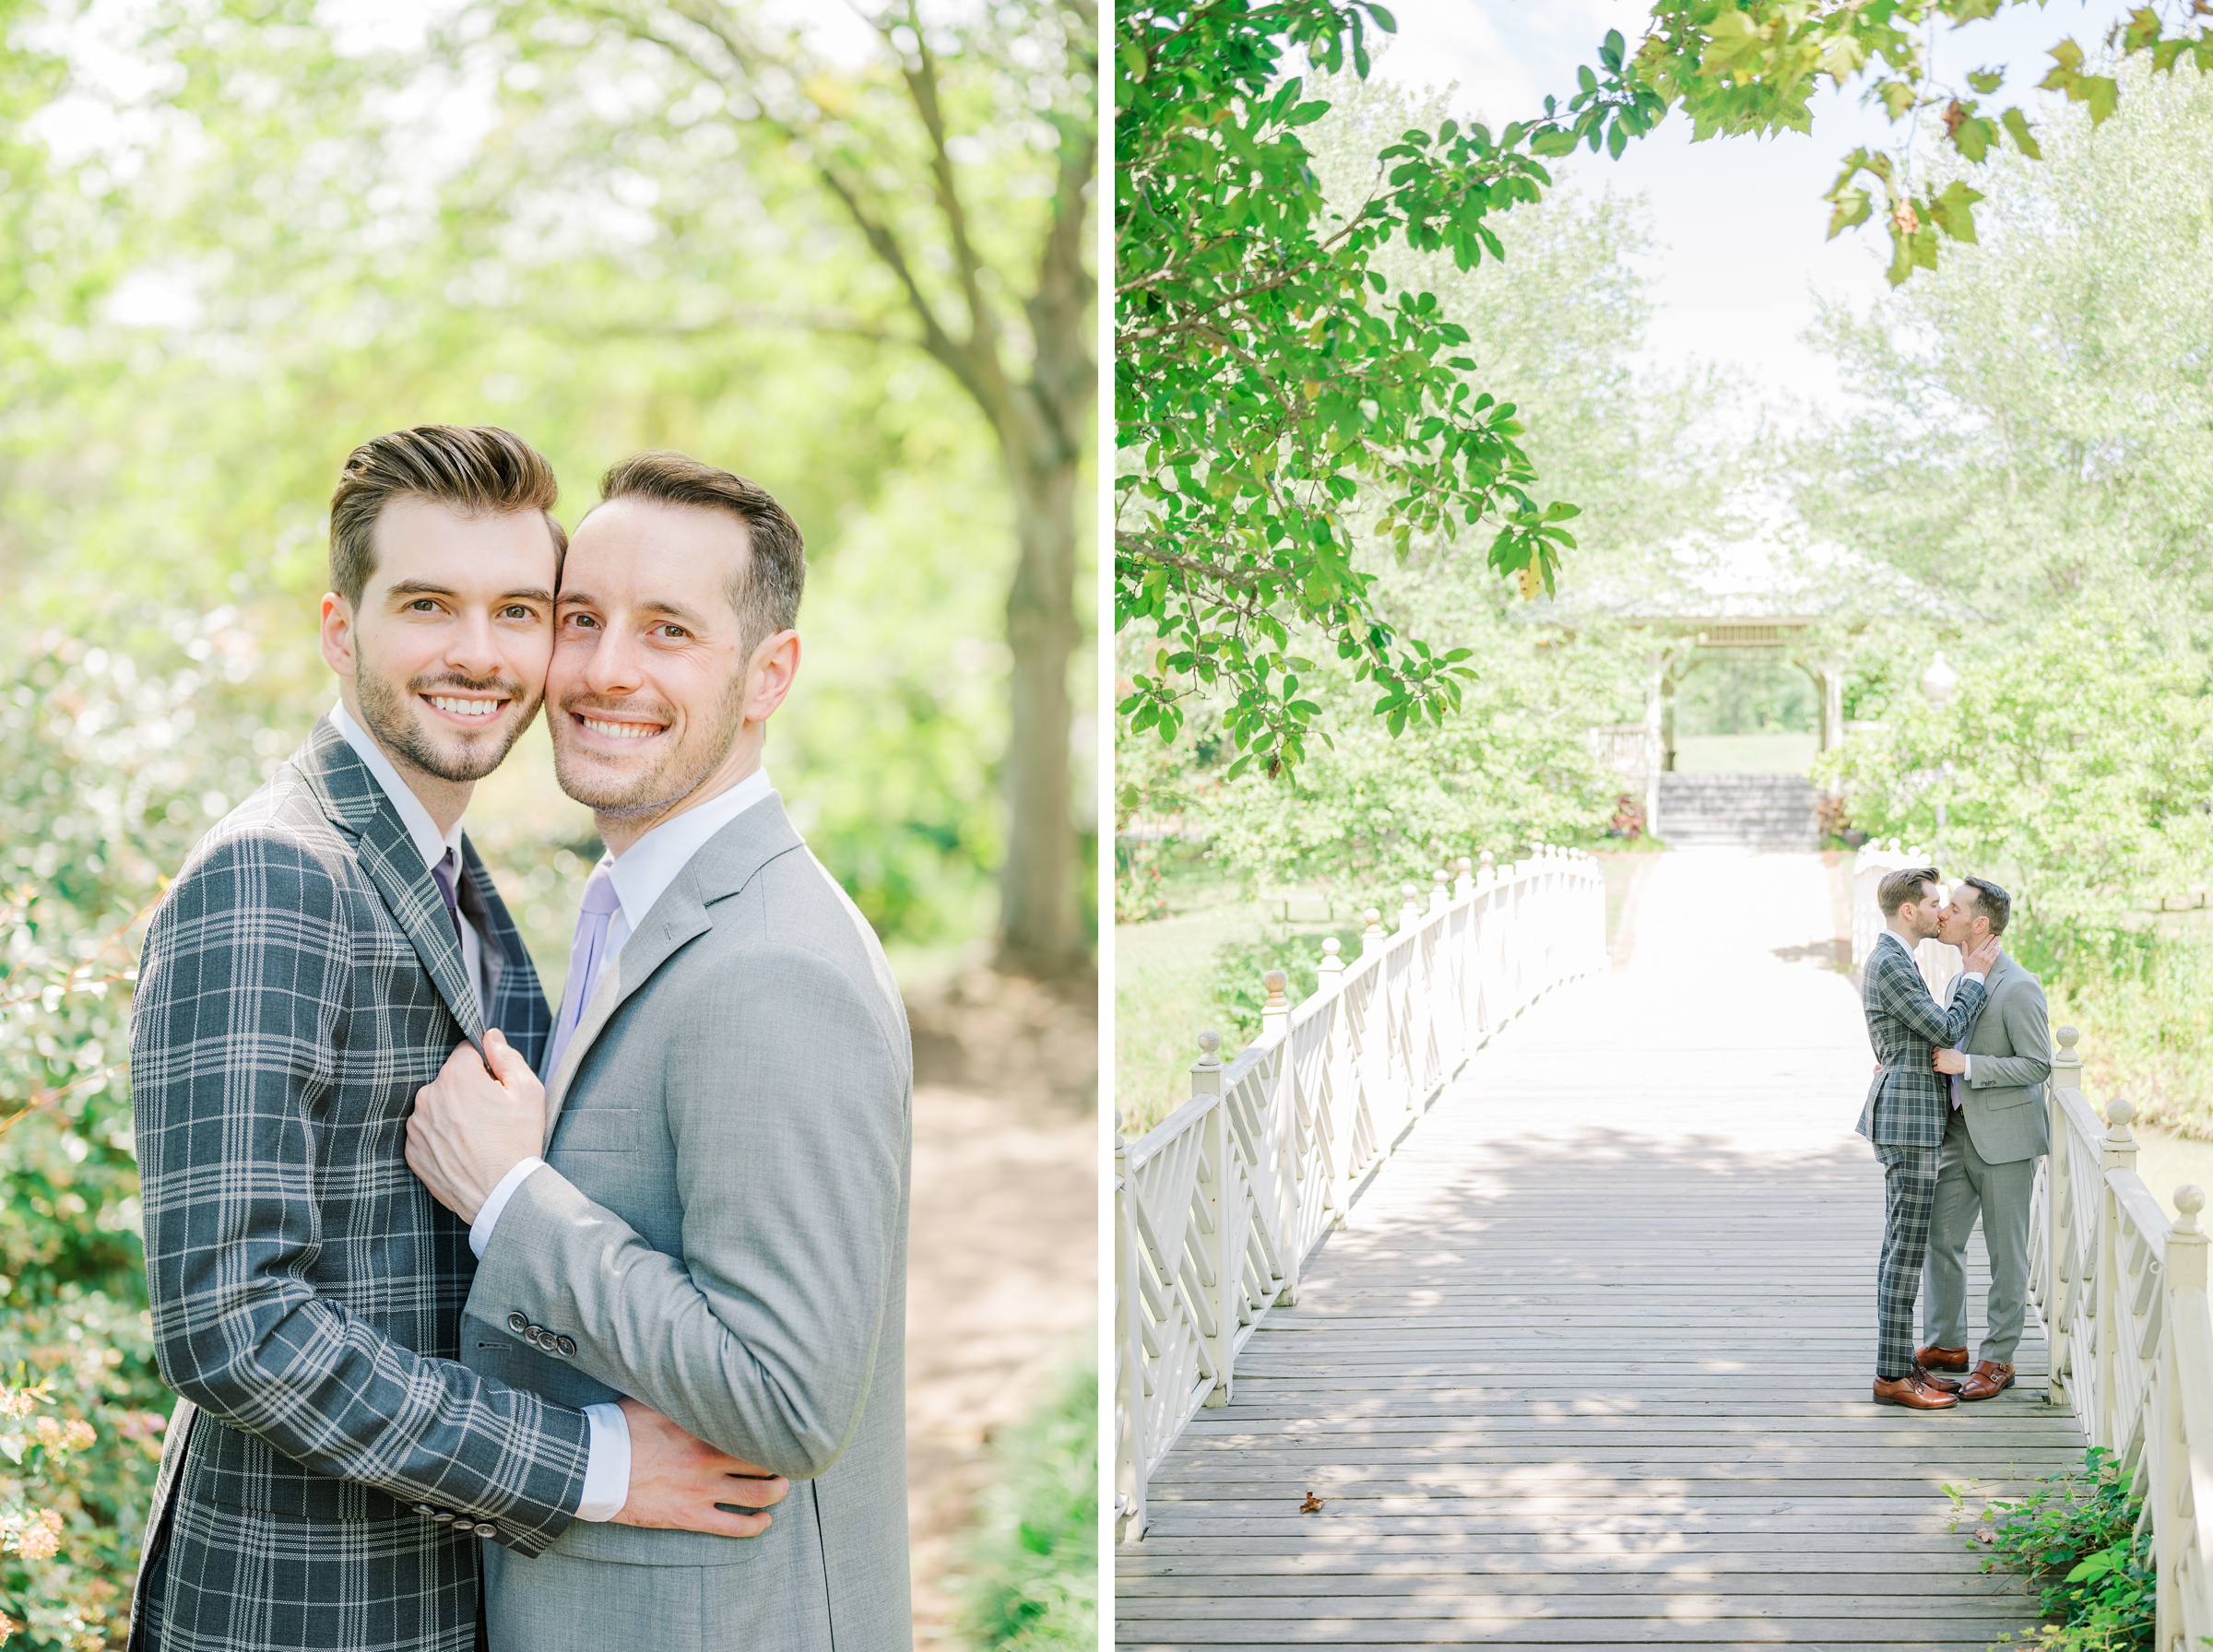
(604, 1130)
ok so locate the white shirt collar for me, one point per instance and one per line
(429, 840)
(643, 872)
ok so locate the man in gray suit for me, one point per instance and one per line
(707, 1211)
(1997, 1132)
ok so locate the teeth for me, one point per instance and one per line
(620, 731)
(465, 708)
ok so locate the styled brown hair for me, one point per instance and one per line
(480, 470)
(1993, 902)
(766, 592)
(1901, 886)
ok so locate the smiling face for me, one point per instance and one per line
(443, 660)
(658, 701)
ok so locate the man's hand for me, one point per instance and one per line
(1978, 962)
(677, 1481)
(470, 1126)
(1949, 1061)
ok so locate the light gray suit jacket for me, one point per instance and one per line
(721, 1233)
(2011, 1044)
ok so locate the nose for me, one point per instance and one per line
(473, 646)
(613, 669)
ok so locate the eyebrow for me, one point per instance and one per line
(424, 587)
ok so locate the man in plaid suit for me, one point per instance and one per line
(332, 1464)
(1906, 1112)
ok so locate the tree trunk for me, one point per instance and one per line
(1039, 932)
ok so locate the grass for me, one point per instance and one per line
(1033, 1578)
(2074, 1537)
(1200, 968)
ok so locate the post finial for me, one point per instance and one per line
(1332, 946)
(1373, 917)
(1206, 1072)
(2119, 1112)
(1463, 865)
(2189, 1200)
(1278, 984)
(2067, 1036)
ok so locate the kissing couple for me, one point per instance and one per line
(1957, 1117)
(494, 1327)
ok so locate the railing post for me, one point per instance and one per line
(1440, 896)
(1410, 908)
(1217, 1186)
(1371, 938)
(2060, 1196)
(1130, 1378)
(2178, 1509)
(1279, 1129)
(2117, 1151)
(1465, 885)
(1331, 968)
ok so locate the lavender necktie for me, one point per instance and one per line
(441, 873)
(587, 955)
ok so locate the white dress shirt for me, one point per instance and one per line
(607, 1457)
(429, 840)
(641, 874)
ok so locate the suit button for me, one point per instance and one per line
(486, 1531)
(424, 1508)
(566, 1346)
(443, 1515)
(465, 1525)
(518, 1323)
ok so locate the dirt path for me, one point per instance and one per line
(1002, 1277)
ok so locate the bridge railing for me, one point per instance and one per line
(1218, 1207)
(2123, 1294)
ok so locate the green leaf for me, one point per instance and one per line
(1986, 81)
(2016, 126)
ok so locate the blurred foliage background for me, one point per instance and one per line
(2026, 437)
(239, 236)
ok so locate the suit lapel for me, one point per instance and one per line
(725, 864)
(356, 804)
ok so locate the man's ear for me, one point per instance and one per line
(337, 634)
(769, 674)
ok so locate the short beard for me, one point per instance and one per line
(652, 794)
(385, 713)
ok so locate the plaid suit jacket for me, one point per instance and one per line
(1906, 1103)
(299, 981)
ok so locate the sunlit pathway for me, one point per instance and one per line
(1590, 1365)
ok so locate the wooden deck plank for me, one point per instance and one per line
(1589, 1365)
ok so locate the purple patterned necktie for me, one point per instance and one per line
(587, 956)
(443, 875)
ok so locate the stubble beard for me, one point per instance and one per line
(384, 712)
(669, 783)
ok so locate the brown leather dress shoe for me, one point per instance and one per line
(1908, 1392)
(1990, 1380)
(1929, 1379)
(1933, 1358)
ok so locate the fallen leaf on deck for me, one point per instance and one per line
(1312, 1506)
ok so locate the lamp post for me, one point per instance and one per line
(1937, 683)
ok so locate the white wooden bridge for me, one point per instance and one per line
(1588, 1362)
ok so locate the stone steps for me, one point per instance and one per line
(1745, 811)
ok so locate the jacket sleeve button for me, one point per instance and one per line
(518, 1323)
(487, 1531)
(424, 1508)
(567, 1347)
(465, 1525)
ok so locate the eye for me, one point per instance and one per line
(423, 605)
(519, 611)
(580, 621)
(674, 634)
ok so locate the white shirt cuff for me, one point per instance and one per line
(1969, 1074)
(606, 1467)
(479, 1231)
(1977, 976)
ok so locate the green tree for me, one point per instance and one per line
(2035, 419)
(1257, 392)
(954, 167)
